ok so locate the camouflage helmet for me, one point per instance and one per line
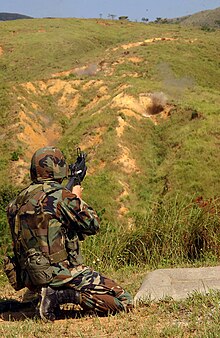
(48, 163)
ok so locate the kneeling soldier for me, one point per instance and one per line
(47, 222)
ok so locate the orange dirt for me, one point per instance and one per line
(136, 44)
(129, 112)
(30, 87)
(92, 140)
(125, 101)
(35, 130)
(120, 128)
(125, 161)
(34, 134)
(123, 210)
(135, 59)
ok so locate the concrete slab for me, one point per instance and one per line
(178, 283)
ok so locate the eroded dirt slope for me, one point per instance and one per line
(38, 122)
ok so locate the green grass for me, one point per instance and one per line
(169, 233)
(177, 159)
(197, 316)
(58, 44)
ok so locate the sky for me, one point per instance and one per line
(134, 9)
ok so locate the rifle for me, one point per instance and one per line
(77, 170)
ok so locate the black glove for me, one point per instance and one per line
(80, 168)
(77, 170)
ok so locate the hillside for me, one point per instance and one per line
(143, 102)
(13, 16)
(144, 105)
(117, 81)
(208, 18)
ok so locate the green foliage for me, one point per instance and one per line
(207, 28)
(15, 155)
(174, 160)
(7, 193)
(175, 157)
(53, 45)
(4, 102)
(165, 234)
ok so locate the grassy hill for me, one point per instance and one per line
(208, 18)
(143, 102)
(13, 16)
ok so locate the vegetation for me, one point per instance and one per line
(208, 18)
(197, 316)
(13, 16)
(169, 234)
(152, 167)
(175, 158)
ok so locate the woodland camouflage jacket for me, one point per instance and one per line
(51, 219)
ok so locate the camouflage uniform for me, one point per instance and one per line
(52, 220)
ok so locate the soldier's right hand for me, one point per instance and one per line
(77, 190)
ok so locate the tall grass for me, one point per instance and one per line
(169, 233)
(7, 193)
(173, 232)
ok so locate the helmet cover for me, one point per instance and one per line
(48, 163)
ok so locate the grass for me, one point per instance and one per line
(197, 316)
(170, 155)
(68, 42)
(169, 233)
(166, 233)
(175, 160)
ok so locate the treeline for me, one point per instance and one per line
(13, 16)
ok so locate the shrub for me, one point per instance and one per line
(7, 193)
(169, 233)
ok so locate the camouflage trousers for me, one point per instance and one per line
(100, 294)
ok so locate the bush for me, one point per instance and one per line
(7, 193)
(169, 233)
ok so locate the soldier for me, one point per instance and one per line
(47, 222)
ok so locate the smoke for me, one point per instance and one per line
(174, 87)
(159, 101)
(89, 70)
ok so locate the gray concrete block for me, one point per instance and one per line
(178, 283)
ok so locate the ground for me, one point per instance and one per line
(34, 129)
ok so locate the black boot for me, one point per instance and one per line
(52, 298)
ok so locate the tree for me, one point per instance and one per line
(145, 19)
(158, 19)
(161, 20)
(123, 17)
(112, 16)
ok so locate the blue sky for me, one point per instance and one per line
(134, 9)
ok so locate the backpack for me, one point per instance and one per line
(31, 266)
